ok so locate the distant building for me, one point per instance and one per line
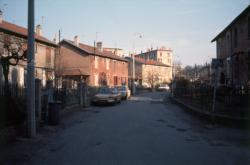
(204, 74)
(95, 65)
(233, 47)
(162, 55)
(45, 51)
(157, 62)
(115, 51)
(149, 73)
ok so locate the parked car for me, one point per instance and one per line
(107, 95)
(125, 92)
(163, 87)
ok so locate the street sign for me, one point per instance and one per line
(217, 63)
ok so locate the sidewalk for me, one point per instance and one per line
(19, 149)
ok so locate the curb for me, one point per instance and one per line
(218, 118)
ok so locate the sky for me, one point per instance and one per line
(185, 26)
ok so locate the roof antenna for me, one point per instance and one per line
(42, 21)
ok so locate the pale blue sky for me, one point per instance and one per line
(186, 26)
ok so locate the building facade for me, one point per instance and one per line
(162, 55)
(149, 73)
(233, 47)
(153, 67)
(44, 54)
(97, 66)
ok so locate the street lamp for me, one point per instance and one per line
(139, 35)
(30, 72)
(173, 74)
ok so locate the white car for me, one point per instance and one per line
(163, 87)
(125, 92)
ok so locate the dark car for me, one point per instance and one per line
(107, 95)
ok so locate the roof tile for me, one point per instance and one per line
(12, 28)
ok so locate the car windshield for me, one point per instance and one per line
(105, 90)
(114, 90)
(121, 88)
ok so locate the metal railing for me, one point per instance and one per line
(229, 101)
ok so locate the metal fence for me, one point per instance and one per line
(14, 91)
(229, 101)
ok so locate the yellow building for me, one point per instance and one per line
(149, 73)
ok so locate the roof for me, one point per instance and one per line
(114, 48)
(74, 72)
(155, 50)
(23, 32)
(149, 62)
(93, 51)
(242, 14)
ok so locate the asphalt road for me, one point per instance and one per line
(145, 130)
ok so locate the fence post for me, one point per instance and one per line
(85, 99)
(50, 91)
(38, 99)
(81, 93)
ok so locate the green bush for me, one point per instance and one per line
(182, 82)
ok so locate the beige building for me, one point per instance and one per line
(149, 73)
(44, 54)
(162, 55)
(153, 67)
(233, 48)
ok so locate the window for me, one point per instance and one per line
(115, 80)
(248, 24)
(48, 56)
(107, 64)
(96, 62)
(248, 64)
(96, 80)
(228, 44)
(235, 37)
(21, 76)
(43, 78)
(218, 44)
(114, 65)
(36, 45)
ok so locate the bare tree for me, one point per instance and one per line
(152, 78)
(11, 52)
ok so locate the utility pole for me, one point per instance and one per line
(31, 123)
(133, 76)
(59, 36)
(133, 63)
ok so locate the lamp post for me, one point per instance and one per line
(133, 73)
(133, 63)
(31, 123)
(174, 63)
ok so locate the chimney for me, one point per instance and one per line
(76, 40)
(39, 30)
(1, 16)
(99, 46)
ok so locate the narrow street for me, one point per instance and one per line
(145, 130)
